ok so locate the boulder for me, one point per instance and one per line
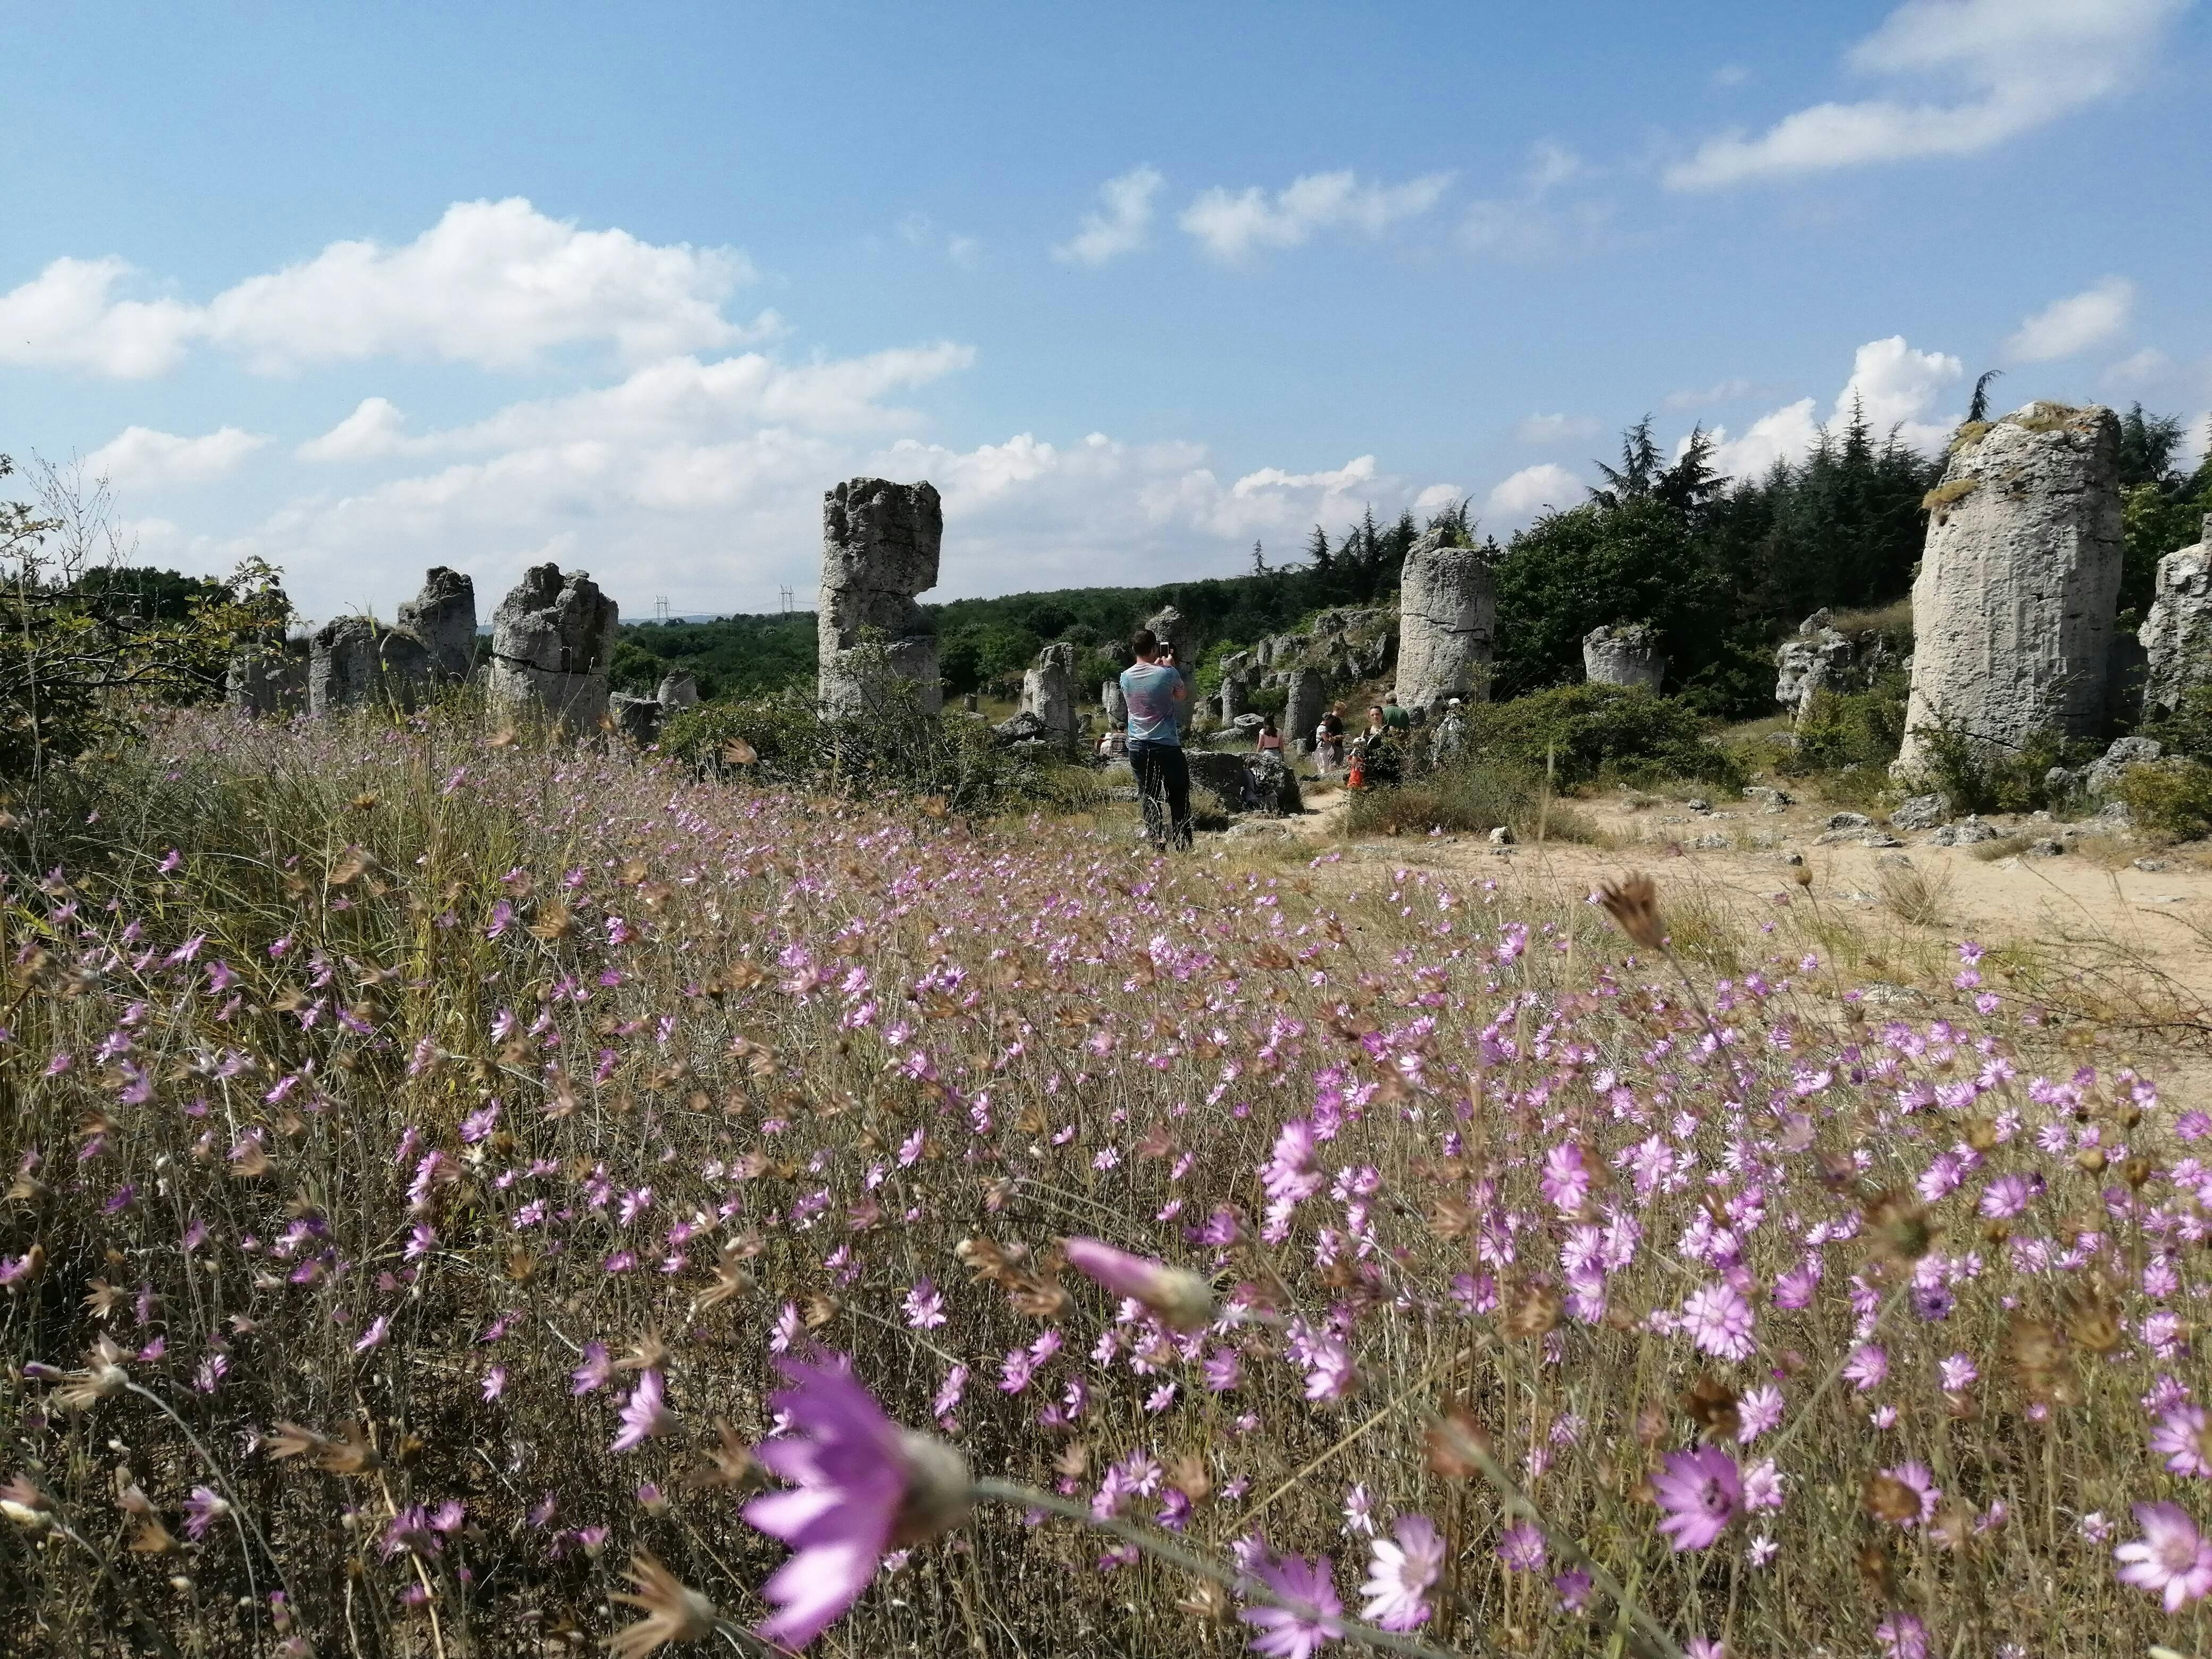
(2102, 776)
(2013, 609)
(352, 661)
(677, 691)
(2177, 636)
(880, 542)
(1920, 813)
(551, 639)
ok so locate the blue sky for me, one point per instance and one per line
(363, 289)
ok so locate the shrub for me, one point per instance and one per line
(1980, 777)
(2171, 802)
(894, 747)
(1583, 732)
(1840, 729)
(1474, 796)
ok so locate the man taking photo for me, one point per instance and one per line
(1157, 697)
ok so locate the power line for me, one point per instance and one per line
(787, 605)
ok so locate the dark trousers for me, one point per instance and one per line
(1163, 786)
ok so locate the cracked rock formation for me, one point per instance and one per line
(677, 691)
(1048, 690)
(266, 679)
(880, 547)
(552, 638)
(2012, 614)
(2177, 635)
(352, 661)
(1114, 702)
(443, 615)
(1628, 654)
(1447, 614)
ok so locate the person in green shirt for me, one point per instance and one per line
(1395, 717)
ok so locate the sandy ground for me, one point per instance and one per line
(2112, 924)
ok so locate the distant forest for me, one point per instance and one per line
(1722, 569)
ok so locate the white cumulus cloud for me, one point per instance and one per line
(2073, 323)
(66, 317)
(1122, 224)
(1533, 488)
(497, 284)
(2004, 67)
(1893, 386)
(140, 457)
(1231, 225)
(1555, 429)
(376, 427)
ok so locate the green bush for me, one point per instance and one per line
(2187, 730)
(1980, 778)
(1586, 731)
(1472, 796)
(893, 747)
(2173, 802)
(1840, 729)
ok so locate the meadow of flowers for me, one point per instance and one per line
(470, 1198)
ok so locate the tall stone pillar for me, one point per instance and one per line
(443, 615)
(2012, 614)
(1302, 709)
(880, 542)
(1446, 616)
(2177, 635)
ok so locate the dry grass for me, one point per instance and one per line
(1913, 895)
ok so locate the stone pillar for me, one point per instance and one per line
(1048, 690)
(1814, 659)
(677, 691)
(1625, 655)
(2012, 614)
(1236, 681)
(266, 679)
(550, 641)
(443, 615)
(1447, 615)
(880, 542)
(2177, 635)
(1302, 706)
(636, 718)
(1111, 700)
(341, 666)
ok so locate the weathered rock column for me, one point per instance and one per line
(266, 679)
(341, 666)
(1816, 658)
(880, 547)
(1447, 615)
(1048, 690)
(677, 691)
(2012, 614)
(443, 615)
(2177, 635)
(1114, 702)
(1628, 655)
(1302, 706)
(1235, 685)
(552, 638)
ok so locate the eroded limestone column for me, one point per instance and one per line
(2012, 614)
(1626, 655)
(1447, 618)
(443, 615)
(551, 639)
(880, 542)
(2177, 635)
